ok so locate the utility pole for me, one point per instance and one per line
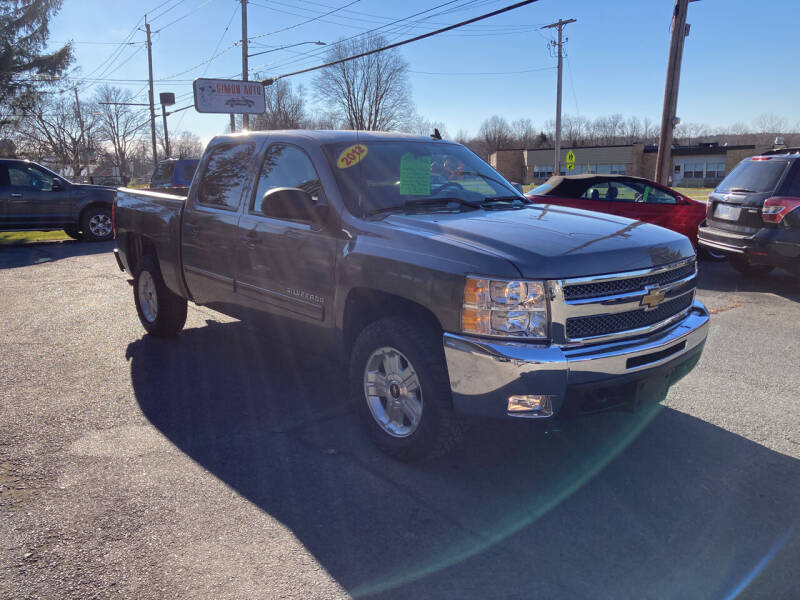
(560, 26)
(233, 123)
(245, 116)
(668, 117)
(80, 139)
(152, 107)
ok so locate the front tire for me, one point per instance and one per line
(748, 268)
(162, 313)
(96, 224)
(398, 377)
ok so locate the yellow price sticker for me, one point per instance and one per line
(351, 155)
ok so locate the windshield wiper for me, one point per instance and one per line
(427, 202)
(490, 199)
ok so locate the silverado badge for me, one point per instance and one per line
(653, 297)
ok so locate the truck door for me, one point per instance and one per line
(286, 263)
(210, 222)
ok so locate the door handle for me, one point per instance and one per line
(16, 195)
(251, 241)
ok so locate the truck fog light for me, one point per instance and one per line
(536, 403)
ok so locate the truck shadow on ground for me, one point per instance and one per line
(653, 504)
(12, 257)
(721, 277)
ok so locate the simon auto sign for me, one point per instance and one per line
(228, 96)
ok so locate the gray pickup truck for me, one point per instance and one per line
(446, 289)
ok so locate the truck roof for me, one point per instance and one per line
(328, 136)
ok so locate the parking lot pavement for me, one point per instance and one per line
(213, 465)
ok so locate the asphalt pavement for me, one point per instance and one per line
(222, 465)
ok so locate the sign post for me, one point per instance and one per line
(229, 96)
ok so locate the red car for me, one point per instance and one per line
(631, 197)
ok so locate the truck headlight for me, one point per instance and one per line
(505, 308)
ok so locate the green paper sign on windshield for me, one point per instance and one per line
(415, 175)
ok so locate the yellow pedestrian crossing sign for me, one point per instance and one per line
(570, 160)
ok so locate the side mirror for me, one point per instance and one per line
(57, 187)
(293, 204)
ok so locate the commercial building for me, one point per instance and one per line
(703, 165)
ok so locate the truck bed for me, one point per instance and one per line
(143, 216)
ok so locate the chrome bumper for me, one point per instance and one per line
(484, 373)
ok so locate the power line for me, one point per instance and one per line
(296, 15)
(190, 13)
(271, 80)
(397, 30)
(482, 73)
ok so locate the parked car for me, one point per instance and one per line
(626, 196)
(448, 292)
(754, 214)
(33, 197)
(173, 175)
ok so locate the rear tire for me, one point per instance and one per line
(162, 313)
(96, 224)
(398, 377)
(748, 268)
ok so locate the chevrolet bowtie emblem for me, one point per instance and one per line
(653, 297)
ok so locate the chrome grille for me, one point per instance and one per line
(582, 327)
(615, 306)
(620, 286)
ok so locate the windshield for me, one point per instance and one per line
(753, 176)
(377, 177)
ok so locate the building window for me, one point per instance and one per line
(677, 169)
(693, 170)
(715, 170)
(542, 171)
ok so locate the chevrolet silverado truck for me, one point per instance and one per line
(33, 197)
(447, 290)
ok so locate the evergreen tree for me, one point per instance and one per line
(25, 66)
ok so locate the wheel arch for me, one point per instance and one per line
(364, 306)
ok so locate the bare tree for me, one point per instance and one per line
(495, 134)
(524, 132)
(119, 125)
(371, 92)
(285, 108)
(769, 123)
(62, 129)
(187, 145)
(422, 126)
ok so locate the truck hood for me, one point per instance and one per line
(550, 242)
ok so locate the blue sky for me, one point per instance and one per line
(735, 66)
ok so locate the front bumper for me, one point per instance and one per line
(775, 246)
(484, 373)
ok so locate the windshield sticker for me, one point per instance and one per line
(415, 175)
(351, 155)
(646, 193)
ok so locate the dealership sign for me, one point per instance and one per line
(229, 96)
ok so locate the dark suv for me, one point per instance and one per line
(754, 214)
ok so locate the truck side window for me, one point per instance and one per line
(225, 176)
(285, 166)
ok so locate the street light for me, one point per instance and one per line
(318, 43)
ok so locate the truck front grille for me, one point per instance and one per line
(582, 327)
(609, 307)
(620, 286)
